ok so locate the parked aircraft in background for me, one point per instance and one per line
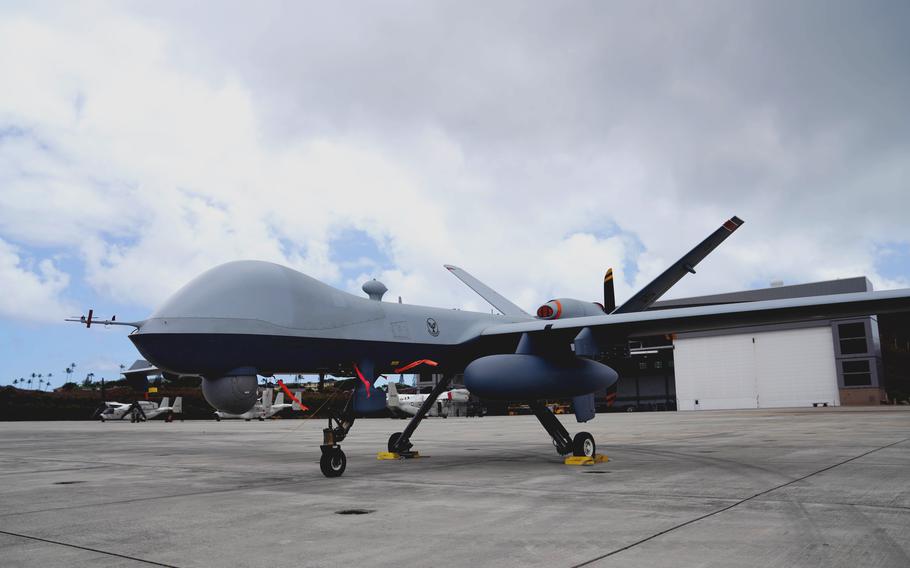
(409, 404)
(264, 407)
(248, 318)
(140, 410)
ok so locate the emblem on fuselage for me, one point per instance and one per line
(432, 327)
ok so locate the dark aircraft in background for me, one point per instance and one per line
(249, 318)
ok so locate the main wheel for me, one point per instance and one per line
(333, 462)
(583, 445)
(393, 441)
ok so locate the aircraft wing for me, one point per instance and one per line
(724, 316)
(495, 299)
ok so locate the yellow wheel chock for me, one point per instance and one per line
(585, 460)
(396, 456)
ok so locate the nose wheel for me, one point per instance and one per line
(333, 461)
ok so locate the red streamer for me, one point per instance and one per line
(291, 395)
(410, 366)
(365, 382)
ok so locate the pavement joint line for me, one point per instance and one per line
(279, 481)
(52, 470)
(533, 491)
(139, 465)
(158, 497)
(727, 508)
(842, 504)
(296, 480)
(87, 548)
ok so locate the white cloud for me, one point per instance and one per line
(30, 287)
(155, 146)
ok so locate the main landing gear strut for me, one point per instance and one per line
(583, 443)
(400, 442)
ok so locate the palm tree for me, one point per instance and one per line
(40, 383)
(47, 383)
(15, 382)
(30, 382)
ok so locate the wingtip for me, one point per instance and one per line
(733, 223)
(450, 267)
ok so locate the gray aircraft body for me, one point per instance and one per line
(248, 318)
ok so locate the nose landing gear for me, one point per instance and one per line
(333, 461)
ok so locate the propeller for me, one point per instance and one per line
(609, 298)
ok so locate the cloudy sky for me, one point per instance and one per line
(532, 143)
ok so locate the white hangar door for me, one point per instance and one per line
(756, 370)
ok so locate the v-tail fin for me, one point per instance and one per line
(494, 298)
(645, 297)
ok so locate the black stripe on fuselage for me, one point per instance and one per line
(213, 354)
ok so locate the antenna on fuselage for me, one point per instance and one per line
(374, 289)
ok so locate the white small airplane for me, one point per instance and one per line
(410, 403)
(140, 410)
(264, 407)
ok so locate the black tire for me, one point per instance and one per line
(583, 445)
(217, 418)
(333, 462)
(261, 419)
(393, 440)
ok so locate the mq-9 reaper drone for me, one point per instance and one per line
(248, 318)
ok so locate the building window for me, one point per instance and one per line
(856, 373)
(852, 338)
(642, 365)
(658, 364)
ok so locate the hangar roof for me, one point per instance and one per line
(840, 286)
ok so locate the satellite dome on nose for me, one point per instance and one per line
(374, 289)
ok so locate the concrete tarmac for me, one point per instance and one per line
(814, 487)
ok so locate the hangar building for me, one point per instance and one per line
(790, 364)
